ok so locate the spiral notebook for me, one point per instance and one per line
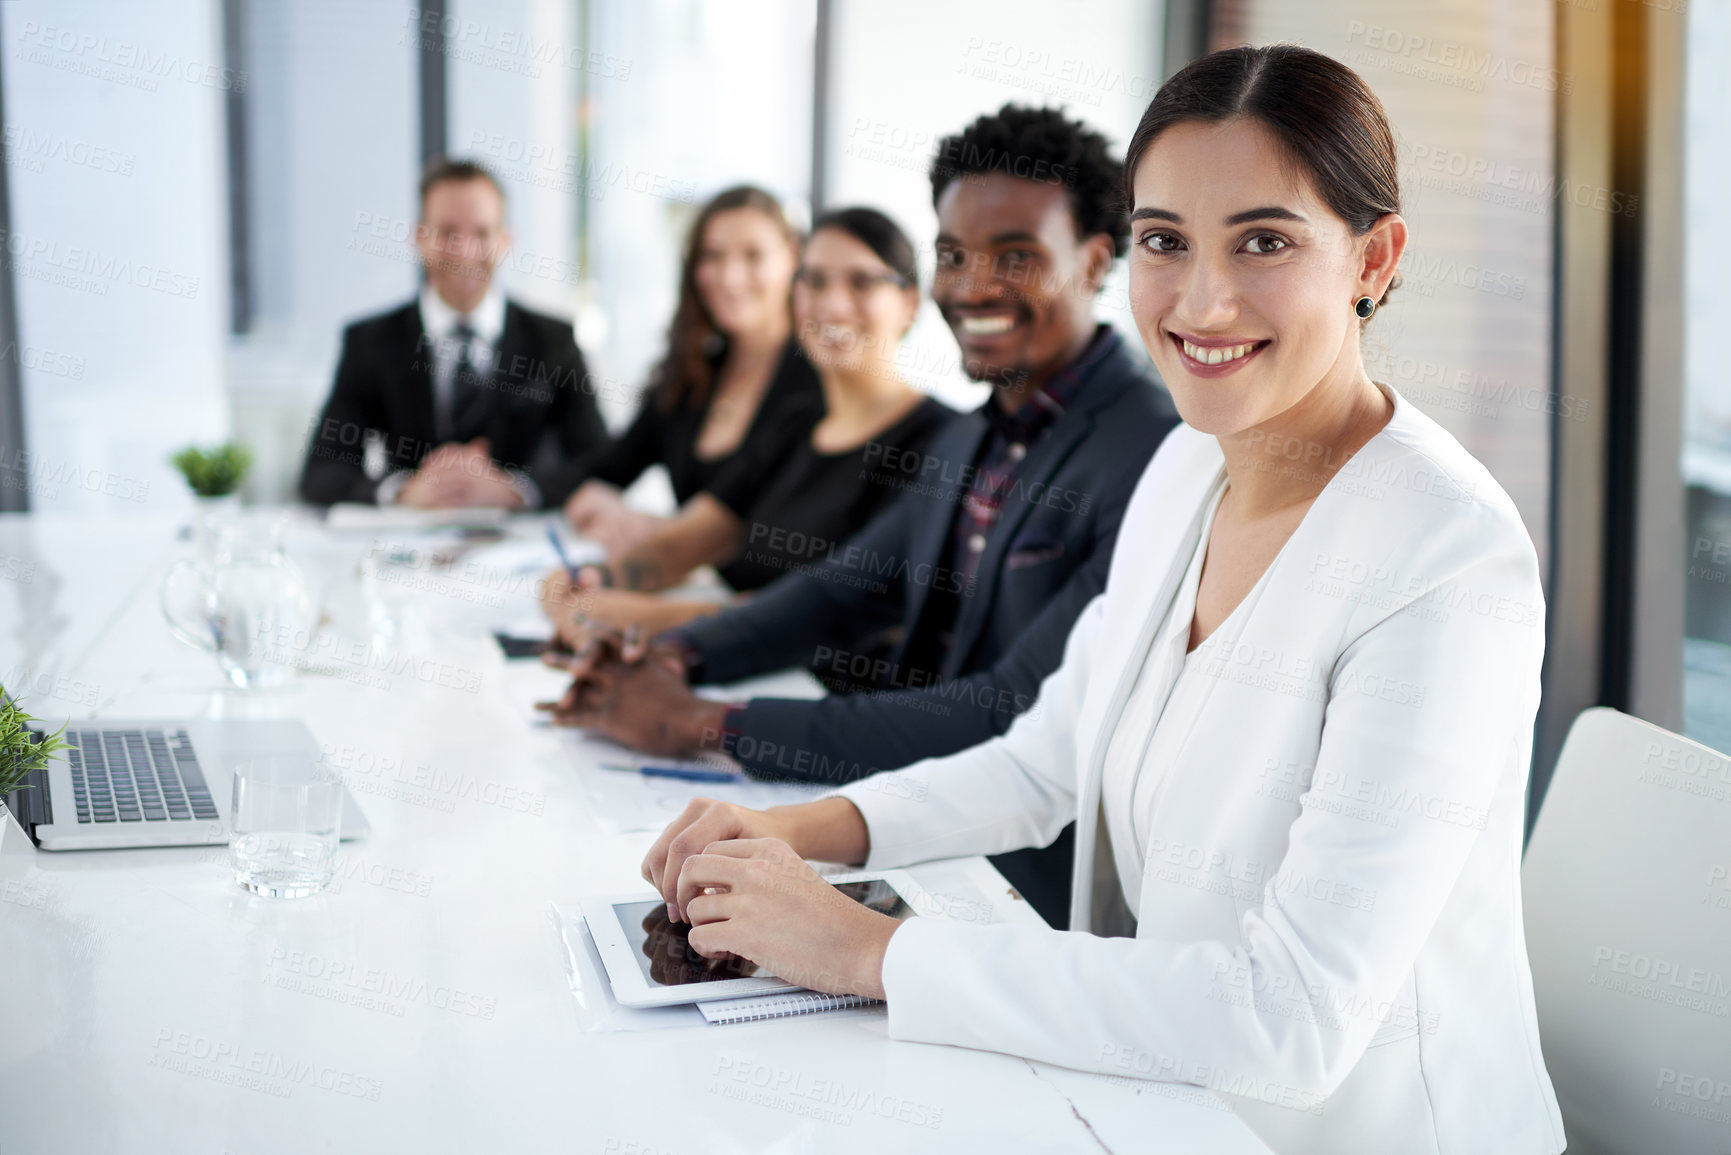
(744, 1010)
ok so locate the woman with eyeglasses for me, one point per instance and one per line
(1293, 731)
(855, 294)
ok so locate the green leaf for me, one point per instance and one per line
(216, 471)
(19, 752)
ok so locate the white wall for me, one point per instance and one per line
(1470, 87)
(691, 96)
(333, 132)
(908, 72)
(114, 152)
(512, 75)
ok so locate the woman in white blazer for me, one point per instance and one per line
(1303, 705)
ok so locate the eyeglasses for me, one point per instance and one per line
(857, 281)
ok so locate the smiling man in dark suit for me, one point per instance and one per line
(940, 618)
(460, 397)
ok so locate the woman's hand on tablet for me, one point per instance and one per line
(756, 898)
(830, 829)
(705, 821)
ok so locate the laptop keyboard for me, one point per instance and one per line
(137, 776)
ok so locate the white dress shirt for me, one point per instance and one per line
(1326, 829)
(439, 321)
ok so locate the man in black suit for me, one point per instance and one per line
(946, 612)
(459, 397)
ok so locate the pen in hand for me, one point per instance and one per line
(564, 558)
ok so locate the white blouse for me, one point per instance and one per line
(1152, 726)
(1168, 694)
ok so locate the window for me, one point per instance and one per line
(1706, 463)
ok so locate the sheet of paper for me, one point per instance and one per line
(355, 516)
(533, 554)
(624, 800)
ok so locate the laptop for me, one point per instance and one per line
(153, 783)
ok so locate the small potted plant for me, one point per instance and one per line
(214, 475)
(214, 472)
(20, 753)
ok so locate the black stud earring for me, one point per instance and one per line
(1364, 307)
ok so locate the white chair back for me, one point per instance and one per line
(1627, 893)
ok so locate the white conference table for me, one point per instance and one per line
(423, 1003)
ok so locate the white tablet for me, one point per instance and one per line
(650, 964)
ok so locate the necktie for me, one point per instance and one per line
(470, 411)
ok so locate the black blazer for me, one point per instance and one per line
(669, 438)
(1044, 560)
(543, 415)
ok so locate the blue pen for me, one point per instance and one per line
(559, 548)
(685, 773)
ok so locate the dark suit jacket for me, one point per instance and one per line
(1044, 560)
(543, 414)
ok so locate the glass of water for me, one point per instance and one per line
(285, 812)
(250, 606)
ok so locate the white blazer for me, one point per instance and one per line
(1330, 923)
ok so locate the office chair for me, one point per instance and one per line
(1628, 920)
